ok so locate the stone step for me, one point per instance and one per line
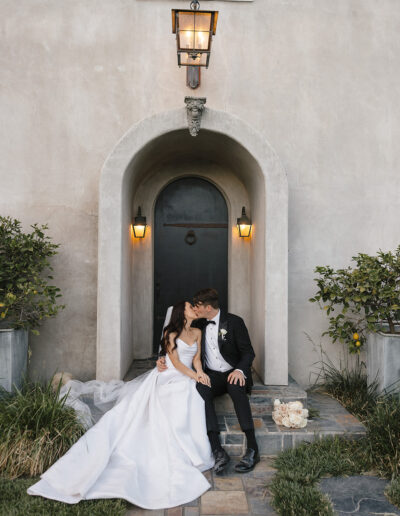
(263, 396)
(333, 420)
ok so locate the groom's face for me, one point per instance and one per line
(202, 310)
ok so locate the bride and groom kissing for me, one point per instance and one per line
(226, 358)
(160, 432)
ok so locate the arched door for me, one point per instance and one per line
(190, 245)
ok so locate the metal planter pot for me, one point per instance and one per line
(383, 360)
(13, 357)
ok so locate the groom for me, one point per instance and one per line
(227, 355)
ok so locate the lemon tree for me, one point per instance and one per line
(366, 297)
(26, 297)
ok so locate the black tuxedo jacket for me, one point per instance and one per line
(235, 347)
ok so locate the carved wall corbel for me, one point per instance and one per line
(194, 107)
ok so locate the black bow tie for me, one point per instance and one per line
(211, 322)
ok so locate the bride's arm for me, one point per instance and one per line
(197, 358)
(202, 377)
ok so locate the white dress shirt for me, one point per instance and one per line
(214, 359)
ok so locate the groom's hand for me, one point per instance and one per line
(161, 365)
(236, 376)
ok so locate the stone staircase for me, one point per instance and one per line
(333, 419)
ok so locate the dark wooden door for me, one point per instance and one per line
(190, 245)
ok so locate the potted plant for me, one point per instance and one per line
(367, 299)
(26, 298)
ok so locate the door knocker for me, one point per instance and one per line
(190, 237)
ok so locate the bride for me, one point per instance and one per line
(151, 447)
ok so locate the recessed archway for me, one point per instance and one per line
(225, 145)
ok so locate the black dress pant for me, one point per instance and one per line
(220, 385)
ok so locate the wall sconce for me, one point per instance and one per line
(244, 224)
(194, 30)
(139, 225)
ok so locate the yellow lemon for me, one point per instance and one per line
(355, 336)
(358, 343)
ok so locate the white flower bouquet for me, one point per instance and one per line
(291, 414)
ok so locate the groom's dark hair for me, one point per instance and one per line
(206, 296)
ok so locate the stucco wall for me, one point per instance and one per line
(319, 79)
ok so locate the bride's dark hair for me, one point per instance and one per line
(175, 325)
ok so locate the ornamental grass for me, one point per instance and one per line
(36, 428)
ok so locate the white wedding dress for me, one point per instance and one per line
(150, 448)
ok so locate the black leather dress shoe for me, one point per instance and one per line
(248, 461)
(221, 460)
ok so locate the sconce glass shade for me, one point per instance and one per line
(244, 224)
(194, 30)
(139, 225)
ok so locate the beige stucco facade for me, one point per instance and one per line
(316, 80)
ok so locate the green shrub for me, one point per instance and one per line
(366, 297)
(26, 298)
(36, 428)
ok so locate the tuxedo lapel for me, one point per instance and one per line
(223, 325)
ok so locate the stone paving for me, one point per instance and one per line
(360, 495)
(231, 493)
(247, 494)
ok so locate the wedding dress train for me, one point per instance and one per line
(150, 448)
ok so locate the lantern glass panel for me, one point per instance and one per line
(139, 230)
(244, 230)
(194, 30)
(186, 39)
(203, 21)
(186, 21)
(201, 40)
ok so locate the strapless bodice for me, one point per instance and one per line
(186, 353)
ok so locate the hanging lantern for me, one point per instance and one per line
(194, 30)
(244, 224)
(139, 225)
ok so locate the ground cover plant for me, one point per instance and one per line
(393, 492)
(294, 487)
(14, 501)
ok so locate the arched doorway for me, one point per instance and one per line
(190, 245)
(258, 284)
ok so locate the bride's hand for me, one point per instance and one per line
(161, 365)
(203, 378)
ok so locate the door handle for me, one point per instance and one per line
(190, 238)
